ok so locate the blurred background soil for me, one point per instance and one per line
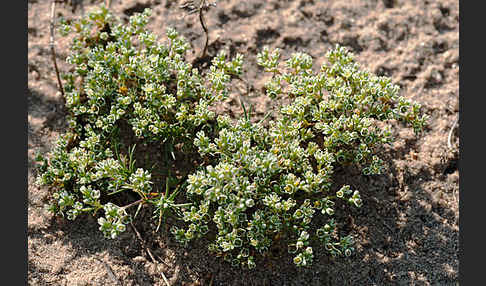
(407, 230)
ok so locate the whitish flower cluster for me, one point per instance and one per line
(255, 183)
(270, 180)
(125, 83)
(264, 184)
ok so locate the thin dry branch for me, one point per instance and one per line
(201, 19)
(53, 51)
(193, 8)
(108, 4)
(149, 253)
(450, 133)
(110, 272)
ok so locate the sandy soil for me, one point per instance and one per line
(407, 231)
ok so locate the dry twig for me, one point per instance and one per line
(201, 19)
(191, 7)
(450, 132)
(149, 253)
(53, 51)
(108, 4)
(110, 272)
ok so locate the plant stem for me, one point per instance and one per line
(201, 19)
(149, 253)
(141, 201)
(53, 51)
(450, 133)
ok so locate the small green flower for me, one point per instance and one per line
(250, 183)
(298, 260)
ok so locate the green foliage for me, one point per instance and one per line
(269, 181)
(124, 82)
(259, 183)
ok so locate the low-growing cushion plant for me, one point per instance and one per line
(254, 183)
(126, 88)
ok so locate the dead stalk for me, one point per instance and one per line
(149, 253)
(141, 201)
(201, 19)
(450, 133)
(53, 51)
(110, 272)
(192, 8)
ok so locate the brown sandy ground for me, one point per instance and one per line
(407, 231)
